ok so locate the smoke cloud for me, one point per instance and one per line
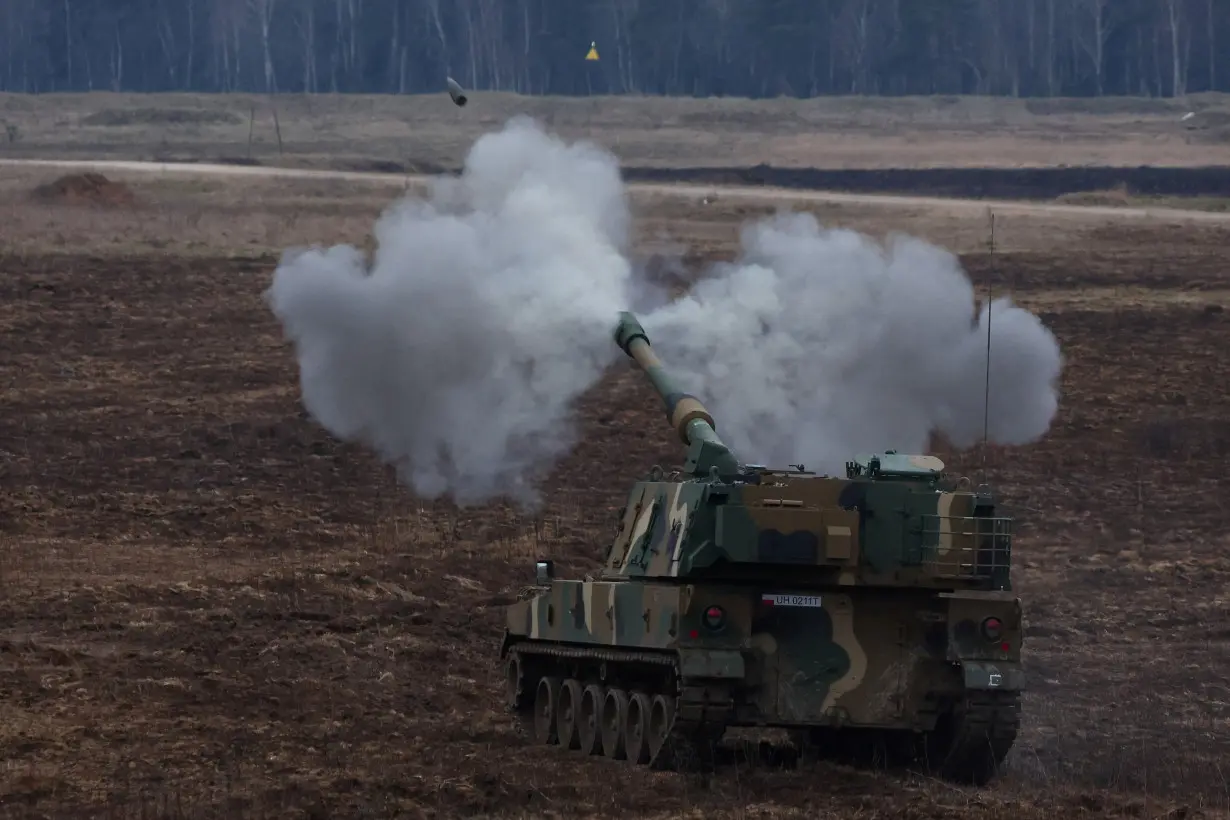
(487, 310)
(816, 345)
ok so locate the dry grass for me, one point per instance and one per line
(186, 216)
(426, 132)
(213, 609)
(1121, 198)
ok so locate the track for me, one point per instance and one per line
(661, 189)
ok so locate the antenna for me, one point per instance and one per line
(986, 394)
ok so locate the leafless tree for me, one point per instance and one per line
(739, 47)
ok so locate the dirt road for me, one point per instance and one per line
(662, 189)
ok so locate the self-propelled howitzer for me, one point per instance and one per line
(867, 611)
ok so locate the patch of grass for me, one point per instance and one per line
(1121, 197)
(831, 132)
(118, 117)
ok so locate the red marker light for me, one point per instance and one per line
(694, 634)
(991, 629)
(1005, 646)
(715, 618)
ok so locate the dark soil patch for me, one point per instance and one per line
(85, 189)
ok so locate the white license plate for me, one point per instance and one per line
(790, 600)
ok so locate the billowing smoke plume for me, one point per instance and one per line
(488, 309)
(819, 344)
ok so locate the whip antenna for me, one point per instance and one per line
(986, 391)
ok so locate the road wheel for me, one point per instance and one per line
(546, 699)
(614, 713)
(514, 695)
(661, 718)
(636, 727)
(589, 719)
(518, 693)
(566, 724)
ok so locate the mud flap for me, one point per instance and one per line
(710, 663)
(990, 676)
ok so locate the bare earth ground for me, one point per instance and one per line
(209, 607)
(428, 131)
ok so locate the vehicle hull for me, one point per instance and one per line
(815, 660)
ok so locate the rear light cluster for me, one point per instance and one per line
(713, 619)
(993, 630)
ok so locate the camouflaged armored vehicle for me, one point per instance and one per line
(867, 611)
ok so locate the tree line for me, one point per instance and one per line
(750, 48)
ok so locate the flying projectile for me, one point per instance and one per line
(456, 91)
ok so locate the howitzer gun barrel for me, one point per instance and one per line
(689, 418)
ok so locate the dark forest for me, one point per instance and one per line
(747, 48)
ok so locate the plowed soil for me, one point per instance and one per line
(210, 608)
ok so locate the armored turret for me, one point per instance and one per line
(890, 521)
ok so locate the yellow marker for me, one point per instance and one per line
(593, 51)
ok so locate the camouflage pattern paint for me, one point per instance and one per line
(672, 529)
(861, 658)
(889, 573)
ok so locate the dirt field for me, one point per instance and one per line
(426, 132)
(210, 608)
